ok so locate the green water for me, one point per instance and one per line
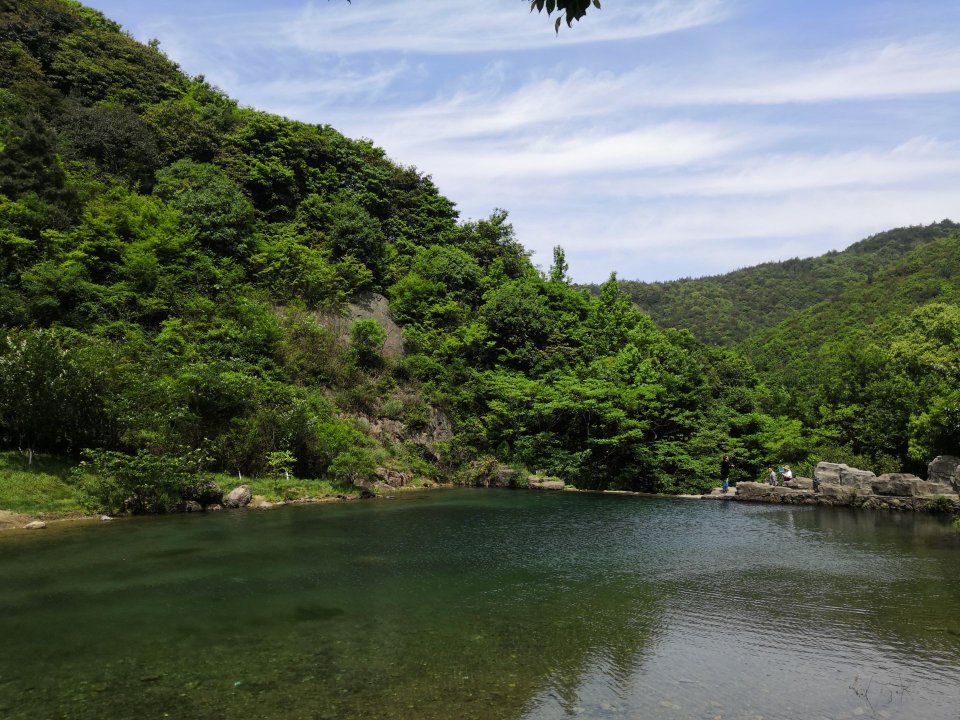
(485, 604)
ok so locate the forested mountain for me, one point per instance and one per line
(726, 309)
(877, 368)
(173, 269)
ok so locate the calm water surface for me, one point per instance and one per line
(486, 604)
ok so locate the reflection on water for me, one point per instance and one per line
(486, 604)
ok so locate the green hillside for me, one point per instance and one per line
(877, 368)
(726, 309)
(182, 292)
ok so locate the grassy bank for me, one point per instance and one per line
(51, 487)
(282, 489)
(46, 487)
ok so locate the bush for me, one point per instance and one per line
(355, 466)
(138, 483)
(940, 505)
(366, 339)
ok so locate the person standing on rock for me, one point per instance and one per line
(725, 466)
(771, 476)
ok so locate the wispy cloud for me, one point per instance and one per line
(660, 137)
(495, 25)
(874, 70)
(664, 241)
(917, 160)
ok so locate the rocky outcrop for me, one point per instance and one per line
(767, 493)
(841, 485)
(799, 483)
(487, 472)
(437, 428)
(393, 478)
(905, 485)
(368, 306)
(839, 474)
(259, 502)
(238, 497)
(945, 469)
(542, 482)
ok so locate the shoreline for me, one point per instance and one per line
(12, 521)
(759, 493)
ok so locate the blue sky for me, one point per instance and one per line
(657, 138)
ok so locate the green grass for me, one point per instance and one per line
(45, 487)
(49, 487)
(293, 489)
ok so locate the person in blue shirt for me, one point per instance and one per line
(725, 466)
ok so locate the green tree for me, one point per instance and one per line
(210, 202)
(366, 340)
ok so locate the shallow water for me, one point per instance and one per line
(486, 604)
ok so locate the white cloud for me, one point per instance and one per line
(919, 159)
(300, 95)
(893, 69)
(672, 239)
(457, 27)
(652, 155)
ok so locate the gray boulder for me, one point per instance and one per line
(761, 492)
(393, 478)
(799, 483)
(905, 485)
(747, 490)
(925, 488)
(238, 497)
(895, 484)
(837, 494)
(945, 469)
(35, 525)
(844, 475)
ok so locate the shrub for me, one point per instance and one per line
(940, 505)
(366, 339)
(355, 466)
(137, 483)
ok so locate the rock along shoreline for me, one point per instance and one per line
(839, 485)
(833, 484)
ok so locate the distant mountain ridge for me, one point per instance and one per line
(727, 309)
(875, 310)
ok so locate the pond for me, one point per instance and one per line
(485, 604)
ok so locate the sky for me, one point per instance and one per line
(656, 138)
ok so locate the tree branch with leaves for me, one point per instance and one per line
(568, 10)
